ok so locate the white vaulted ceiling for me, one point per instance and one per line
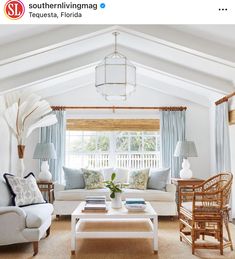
(193, 62)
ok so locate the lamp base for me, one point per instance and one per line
(45, 174)
(186, 172)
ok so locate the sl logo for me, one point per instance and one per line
(14, 9)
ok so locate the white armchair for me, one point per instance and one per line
(22, 224)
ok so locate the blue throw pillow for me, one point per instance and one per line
(73, 178)
(158, 178)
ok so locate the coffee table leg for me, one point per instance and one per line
(73, 235)
(155, 235)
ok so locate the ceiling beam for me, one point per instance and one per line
(44, 42)
(185, 42)
(63, 62)
(174, 91)
(62, 71)
(160, 70)
(172, 71)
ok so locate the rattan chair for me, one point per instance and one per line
(204, 212)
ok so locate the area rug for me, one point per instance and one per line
(57, 246)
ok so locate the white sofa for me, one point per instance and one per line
(162, 201)
(22, 224)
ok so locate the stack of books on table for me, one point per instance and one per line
(135, 204)
(95, 204)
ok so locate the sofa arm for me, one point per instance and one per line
(12, 209)
(57, 188)
(171, 188)
(11, 217)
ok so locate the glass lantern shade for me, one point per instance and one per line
(115, 77)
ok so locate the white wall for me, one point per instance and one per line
(4, 147)
(31, 165)
(232, 148)
(212, 138)
(8, 151)
(197, 123)
(197, 129)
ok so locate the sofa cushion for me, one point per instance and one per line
(5, 194)
(73, 178)
(148, 195)
(138, 179)
(24, 190)
(80, 194)
(121, 174)
(37, 214)
(93, 179)
(158, 179)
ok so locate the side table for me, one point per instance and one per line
(180, 183)
(48, 188)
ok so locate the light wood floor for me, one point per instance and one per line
(57, 245)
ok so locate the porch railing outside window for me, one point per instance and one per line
(113, 149)
(138, 160)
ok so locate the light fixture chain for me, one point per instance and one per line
(115, 42)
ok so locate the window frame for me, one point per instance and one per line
(112, 154)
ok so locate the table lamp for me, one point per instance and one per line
(44, 152)
(185, 149)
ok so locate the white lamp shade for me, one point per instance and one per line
(185, 149)
(44, 151)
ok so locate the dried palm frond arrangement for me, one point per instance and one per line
(24, 113)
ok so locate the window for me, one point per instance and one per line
(97, 149)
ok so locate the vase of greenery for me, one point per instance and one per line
(115, 192)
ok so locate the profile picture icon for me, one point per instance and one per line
(14, 9)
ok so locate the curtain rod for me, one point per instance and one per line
(163, 108)
(224, 99)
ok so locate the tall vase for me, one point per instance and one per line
(116, 202)
(20, 163)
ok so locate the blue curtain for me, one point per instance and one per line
(222, 145)
(172, 129)
(56, 135)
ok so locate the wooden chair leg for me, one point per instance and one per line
(181, 226)
(193, 237)
(228, 230)
(48, 231)
(221, 237)
(35, 248)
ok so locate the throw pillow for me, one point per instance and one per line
(93, 179)
(73, 178)
(158, 179)
(5, 194)
(138, 179)
(25, 190)
(107, 172)
(121, 175)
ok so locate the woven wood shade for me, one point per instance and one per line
(113, 125)
(232, 117)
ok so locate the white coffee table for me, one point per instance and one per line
(148, 218)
